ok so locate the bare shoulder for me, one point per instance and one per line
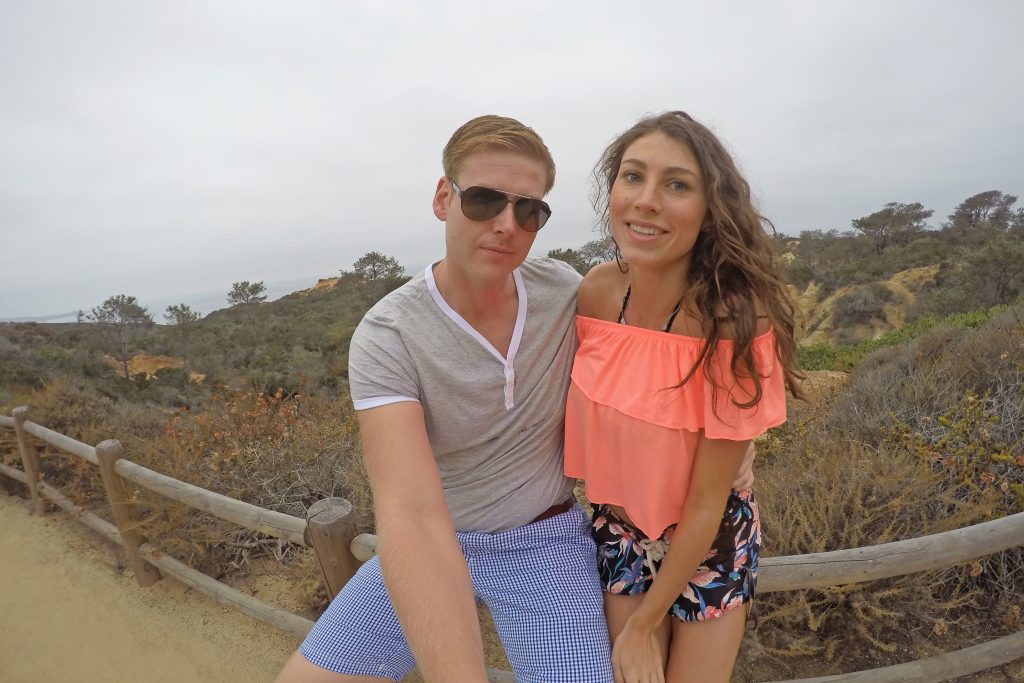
(601, 292)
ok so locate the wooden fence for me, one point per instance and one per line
(329, 530)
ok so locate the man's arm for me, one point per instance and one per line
(745, 477)
(422, 564)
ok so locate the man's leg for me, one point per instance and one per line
(298, 669)
(540, 583)
(358, 638)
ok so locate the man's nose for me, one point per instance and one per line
(506, 220)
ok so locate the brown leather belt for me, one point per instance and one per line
(556, 509)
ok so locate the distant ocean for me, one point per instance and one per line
(202, 302)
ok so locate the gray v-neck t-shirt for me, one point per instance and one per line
(495, 423)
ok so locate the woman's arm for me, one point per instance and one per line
(635, 656)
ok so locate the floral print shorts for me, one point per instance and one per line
(628, 561)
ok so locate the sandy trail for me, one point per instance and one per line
(67, 611)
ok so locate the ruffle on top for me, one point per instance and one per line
(629, 434)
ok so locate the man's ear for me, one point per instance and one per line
(442, 198)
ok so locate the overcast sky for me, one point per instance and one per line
(168, 149)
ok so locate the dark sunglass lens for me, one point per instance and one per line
(482, 203)
(543, 215)
(531, 214)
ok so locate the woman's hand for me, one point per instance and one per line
(636, 656)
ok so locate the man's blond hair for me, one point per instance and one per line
(496, 132)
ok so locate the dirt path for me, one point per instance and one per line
(68, 612)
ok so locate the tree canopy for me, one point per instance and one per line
(990, 209)
(119, 310)
(572, 257)
(115, 324)
(598, 251)
(586, 257)
(247, 293)
(181, 315)
(376, 266)
(895, 222)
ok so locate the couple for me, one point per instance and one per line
(673, 359)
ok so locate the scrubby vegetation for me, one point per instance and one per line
(926, 435)
(279, 452)
(823, 356)
(860, 305)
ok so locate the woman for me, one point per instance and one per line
(686, 348)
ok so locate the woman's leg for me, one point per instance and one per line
(705, 651)
(618, 608)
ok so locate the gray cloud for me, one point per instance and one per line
(162, 149)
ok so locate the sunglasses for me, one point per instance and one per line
(484, 203)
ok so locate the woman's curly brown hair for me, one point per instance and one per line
(733, 270)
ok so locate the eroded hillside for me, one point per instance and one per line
(816, 322)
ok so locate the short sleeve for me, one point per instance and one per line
(380, 369)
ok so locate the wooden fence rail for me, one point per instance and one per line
(816, 570)
(13, 473)
(329, 529)
(65, 443)
(270, 522)
(838, 567)
(265, 612)
(937, 669)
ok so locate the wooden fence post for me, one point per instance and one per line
(331, 526)
(29, 457)
(109, 452)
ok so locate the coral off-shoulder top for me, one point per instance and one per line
(633, 438)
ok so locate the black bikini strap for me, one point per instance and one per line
(625, 300)
(671, 318)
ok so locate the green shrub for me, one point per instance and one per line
(860, 306)
(927, 436)
(989, 275)
(280, 452)
(821, 494)
(844, 357)
(820, 356)
(926, 377)
(798, 273)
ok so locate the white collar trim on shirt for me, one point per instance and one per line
(517, 332)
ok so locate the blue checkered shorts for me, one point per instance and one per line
(539, 582)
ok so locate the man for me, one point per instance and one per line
(459, 378)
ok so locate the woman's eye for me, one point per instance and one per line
(678, 186)
(630, 176)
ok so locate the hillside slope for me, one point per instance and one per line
(816, 320)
